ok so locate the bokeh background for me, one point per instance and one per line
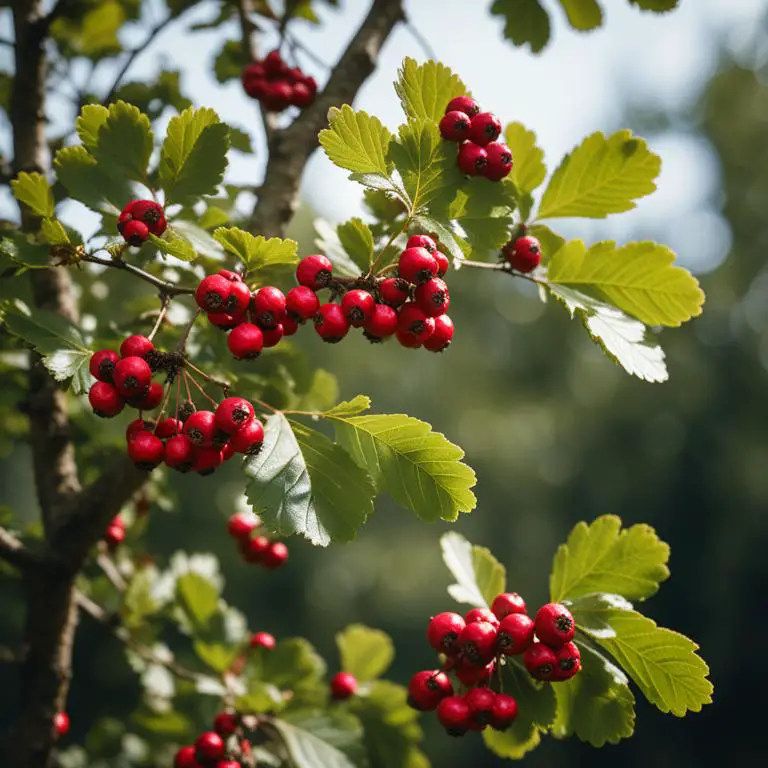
(556, 433)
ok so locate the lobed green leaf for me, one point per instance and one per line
(124, 143)
(356, 141)
(528, 171)
(365, 653)
(256, 251)
(425, 89)
(33, 191)
(356, 238)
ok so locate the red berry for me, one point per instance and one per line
(246, 341)
(523, 254)
(314, 271)
(472, 159)
(233, 413)
(442, 336)
(135, 233)
(231, 276)
(311, 84)
(343, 685)
(242, 524)
(477, 642)
(413, 323)
(136, 426)
(277, 95)
(428, 688)
(422, 241)
(442, 263)
(443, 632)
(262, 640)
(455, 126)
(499, 161)
(206, 459)
(485, 128)
(273, 63)
(454, 715)
(102, 364)
(105, 400)
(151, 399)
(61, 723)
(269, 306)
(227, 764)
(254, 86)
(273, 336)
(330, 323)
(301, 95)
(568, 661)
(357, 306)
(289, 326)
(554, 625)
(433, 297)
(463, 104)
(301, 303)
(383, 323)
(416, 265)
(146, 451)
(540, 661)
(213, 292)
(506, 603)
(227, 451)
(504, 712)
(515, 634)
(185, 758)
(136, 346)
(470, 675)
(168, 428)
(224, 320)
(200, 427)
(225, 723)
(407, 340)
(481, 614)
(480, 702)
(275, 555)
(180, 453)
(394, 291)
(239, 298)
(132, 377)
(253, 549)
(115, 533)
(209, 746)
(249, 438)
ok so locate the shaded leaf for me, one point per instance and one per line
(174, 245)
(479, 575)
(583, 15)
(528, 171)
(125, 142)
(86, 180)
(365, 653)
(357, 240)
(306, 750)
(526, 22)
(198, 598)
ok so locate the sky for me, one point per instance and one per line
(580, 83)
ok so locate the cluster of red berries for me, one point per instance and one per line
(258, 550)
(480, 154)
(140, 219)
(522, 253)
(221, 747)
(277, 85)
(474, 646)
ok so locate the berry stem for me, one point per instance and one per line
(162, 285)
(186, 386)
(391, 240)
(165, 300)
(182, 342)
(502, 268)
(163, 406)
(111, 571)
(200, 388)
(225, 385)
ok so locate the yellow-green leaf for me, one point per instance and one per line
(53, 232)
(425, 89)
(92, 117)
(125, 142)
(583, 14)
(528, 170)
(32, 189)
(356, 141)
(365, 653)
(256, 251)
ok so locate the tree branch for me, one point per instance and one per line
(165, 288)
(290, 148)
(14, 551)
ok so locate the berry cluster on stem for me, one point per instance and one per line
(140, 219)
(256, 549)
(224, 746)
(276, 85)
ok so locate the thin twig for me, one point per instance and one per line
(425, 45)
(13, 551)
(225, 385)
(162, 285)
(200, 387)
(501, 267)
(165, 301)
(111, 571)
(182, 342)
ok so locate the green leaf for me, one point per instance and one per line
(425, 89)
(193, 157)
(337, 727)
(479, 575)
(294, 665)
(356, 141)
(657, 6)
(621, 337)
(526, 22)
(87, 181)
(550, 241)
(256, 252)
(52, 231)
(456, 247)
(322, 392)
(138, 599)
(201, 240)
(174, 245)
(664, 664)
(638, 278)
(583, 15)
(229, 61)
(601, 176)
(484, 212)
(64, 351)
(596, 705)
(198, 598)
(240, 140)
(32, 189)
(420, 468)
(528, 171)
(92, 34)
(365, 653)
(357, 405)
(125, 142)
(306, 750)
(301, 482)
(357, 240)
(603, 557)
(537, 710)
(217, 656)
(90, 121)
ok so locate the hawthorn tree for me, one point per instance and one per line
(200, 353)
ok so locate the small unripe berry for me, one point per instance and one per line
(209, 746)
(253, 549)
(151, 398)
(135, 233)
(132, 377)
(249, 438)
(233, 413)
(464, 104)
(180, 453)
(225, 723)
(136, 346)
(269, 306)
(212, 293)
(416, 265)
(301, 303)
(515, 634)
(422, 241)
(262, 640)
(472, 159)
(61, 723)
(481, 614)
(442, 335)
(442, 263)
(343, 685)
(242, 524)
(506, 603)
(443, 632)
(246, 341)
(382, 323)
(433, 297)
(239, 298)
(485, 128)
(394, 291)
(200, 427)
(477, 642)
(105, 400)
(480, 702)
(168, 427)
(273, 336)
(540, 661)
(455, 126)
(102, 364)
(357, 306)
(331, 324)
(206, 459)
(454, 715)
(275, 556)
(314, 271)
(185, 758)
(554, 625)
(146, 451)
(499, 161)
(414, 323)
(523, 254)
(470, 674)
(426, 689)
(504, 712)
